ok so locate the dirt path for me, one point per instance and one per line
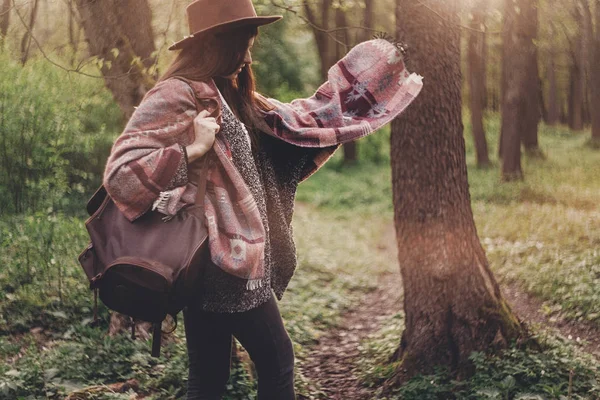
(331, 363)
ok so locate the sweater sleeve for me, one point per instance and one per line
(149, 156)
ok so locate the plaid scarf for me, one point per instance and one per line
(365, 90)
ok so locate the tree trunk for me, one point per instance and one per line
(553, 107)
(476, 76)
(577, 74)
(4, 21)
(518, 50)
(595, 75)
(26, 40)
(531, 113)
(576, 97)
(452, 302)
(123, 25)
(368, 21)
(321, 38)
(341, 47)
(74, 29)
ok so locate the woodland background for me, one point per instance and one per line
(511, 93)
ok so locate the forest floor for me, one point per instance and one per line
(333, 362)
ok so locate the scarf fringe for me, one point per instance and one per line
(162, 202)
(254, 284)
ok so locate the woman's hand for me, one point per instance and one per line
(205, 129)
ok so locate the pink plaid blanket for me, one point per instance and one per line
(365, 90)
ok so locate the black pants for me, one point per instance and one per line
(262, 334)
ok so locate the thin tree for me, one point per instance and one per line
(595, 76)
(452, 301)
(518, 51)
(553, 109)
(320, 27)
(4, 21)
(592, 34)
(26, 40)
(477, 87)
(119, 33)
(532, 111)
(341, 48)
(74, 29)
(577, 73)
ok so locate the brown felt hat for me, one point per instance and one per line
(220, 15)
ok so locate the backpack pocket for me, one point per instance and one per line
(137, 287)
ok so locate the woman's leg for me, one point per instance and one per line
(263, 335)
(209, 351)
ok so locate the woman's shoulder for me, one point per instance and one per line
(176, 85)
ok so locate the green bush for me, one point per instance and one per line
(55, 130)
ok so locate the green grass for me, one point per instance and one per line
(48, 347)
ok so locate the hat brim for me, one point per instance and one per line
(252, 21)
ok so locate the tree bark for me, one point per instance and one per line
(74, 29)
(553, 107)
(368, 21)
(126, 26)
(518, 50)
(594, 53)
(532, 112)
(576, 96)
(341, 47)
(4, 21)
(324, 42)
(476, 75)
(577, 74)
(26, 40)
(452, 302)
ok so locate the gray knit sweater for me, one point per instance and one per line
(272, 176)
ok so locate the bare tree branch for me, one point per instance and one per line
(69, 70)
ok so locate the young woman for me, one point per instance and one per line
(205, 111)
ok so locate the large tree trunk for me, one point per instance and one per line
(124, 25)
(476, 75)
(26, 40)
(518, 50)
(452, 302)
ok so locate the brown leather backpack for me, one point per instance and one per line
(149, 268)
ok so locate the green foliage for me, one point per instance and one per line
(515, 373)
(276, 61)
(53, 138)
(64, 353)
(42, 285)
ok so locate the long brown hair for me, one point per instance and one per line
(215, 56)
